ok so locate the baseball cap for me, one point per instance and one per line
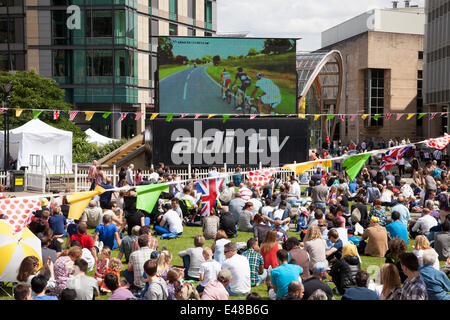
(44, 202)
(321, 267)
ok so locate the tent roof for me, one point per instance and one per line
(94, 137)
(37, 126)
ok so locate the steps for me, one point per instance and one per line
(124, 150)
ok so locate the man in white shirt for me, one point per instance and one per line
(245, 192)
(130, 175)
(295, 193)
(213, 172)
(257, 204)
(153, 177)
(170, 222)
(406, 189)
(239, 267)
(271, 93)
(423, 224)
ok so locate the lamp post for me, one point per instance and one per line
(6, 90)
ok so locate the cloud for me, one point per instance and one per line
(304, 19)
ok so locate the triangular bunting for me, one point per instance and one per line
(18, 112)
(225, 117)
(330, 116)
(316, 117)
(364, 116)
(56, 114)
(197, 116)
(138, 116)
(89, 115)
(353, 117)
(106, 115)
(36, 113)
(123, 115)
(210, 116)
(399, 115)
(410, 115)
(420, 116)
(169, 117)
(354, 164)
(154, 115)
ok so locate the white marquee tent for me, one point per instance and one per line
(43, 141)
(96, 138)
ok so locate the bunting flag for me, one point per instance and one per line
(106, 115)
(253, 116)
(56, 114)
(80, 200)
(420, 116)
(330, 116)
(147, 195)
(3, 110)
(376, 116)
(353, 117)
(19, 212)
(303, 105)
(169, 117)
(154, 115)
(354, 164)
(36, 113)
(210, 116)
(364, 116)
(225, 117)
(438, 143)
(433, 115)
(399, 115)
(342, 117)
(392, 157)
(410, 115)
(197, 116)
(89, 115)
(18, 112)
(316, 117)
(72, 115)
(388, 116)
(209, 190)
(302, 116)
(260, 178)
(183, 115)
(301, 168)
(138, 116)
(123, 115)
(443, 114)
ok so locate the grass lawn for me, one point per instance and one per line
(165, 71)
(369, 264)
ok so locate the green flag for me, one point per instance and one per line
(169, 117)
(36, 113)
(147, 195)
(225, 117)
(330, 116)
(375, 117)
(106, 115)
(421, 116)
(354, 164)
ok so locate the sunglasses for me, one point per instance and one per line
(323, 225)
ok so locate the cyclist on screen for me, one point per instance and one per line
(226, 79)
(245, 83)
(271, 93)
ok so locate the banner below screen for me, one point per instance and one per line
(238, 142)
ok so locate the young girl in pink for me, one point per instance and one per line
(102, 264)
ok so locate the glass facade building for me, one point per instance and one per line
(104, 54)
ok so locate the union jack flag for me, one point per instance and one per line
(56, 114)
(123, 115)
(392, 157)
(209, 189)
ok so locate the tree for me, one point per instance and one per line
(278, 46)
(216, 60)
(252, 52)
(207, 58)
(165, 54)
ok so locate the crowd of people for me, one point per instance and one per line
(332, 224)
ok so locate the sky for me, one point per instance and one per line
(304, 19)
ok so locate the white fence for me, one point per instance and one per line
(82, 182)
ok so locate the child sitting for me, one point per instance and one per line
(281, 234)
(208, 269)
(114, 266)
(173, 282)
(102, 264)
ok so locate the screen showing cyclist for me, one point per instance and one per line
(271, 96)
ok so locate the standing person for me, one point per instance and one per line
(401, 166)
(360, 292)
(284, 274)
(240, 284)
(436, 281)
(257, 273)
(193, 258)
(92, 174)
(130, 176)
(86, 287)
(122, 174)
(138, 177)
(238, 177)
(414, 288)
(100, 177)
(319, 195)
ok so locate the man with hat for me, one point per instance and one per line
(320, 274)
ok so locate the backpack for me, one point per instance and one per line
(443, 202)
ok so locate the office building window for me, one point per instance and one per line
(7, 26)
(99, 63)
(374, 96)
(99, 23)
(420, 55)
(208, 14)
(173, 29)
(173, 9)
(10, 3)
(61, 63)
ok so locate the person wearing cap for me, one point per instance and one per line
(360, 292)
(406, 189)
(316, 282)
(377, 244)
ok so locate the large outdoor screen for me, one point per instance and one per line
(227, 75)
